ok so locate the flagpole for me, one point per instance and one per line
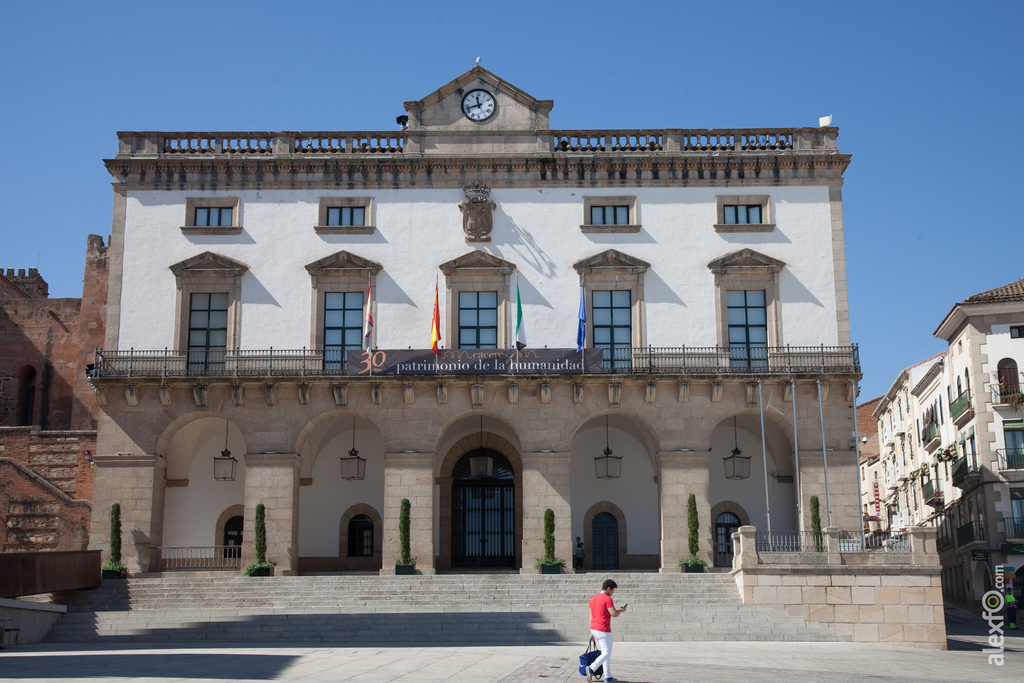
(368, 321)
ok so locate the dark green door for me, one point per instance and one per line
(606, 542)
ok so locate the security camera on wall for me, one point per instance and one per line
(863, 439)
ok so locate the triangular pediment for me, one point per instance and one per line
(611, 260)
(515, 110)
(746, 259)
(343, 261)
(209, 263)
(477, 260)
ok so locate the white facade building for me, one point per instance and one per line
(711, 266)
(963, 437)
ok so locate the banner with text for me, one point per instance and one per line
(474, 362)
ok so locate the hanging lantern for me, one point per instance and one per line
(224, 466)
(737, 465)
(608, 466)
(481, 464)
(352, 466)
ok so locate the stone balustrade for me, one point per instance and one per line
(192, 144)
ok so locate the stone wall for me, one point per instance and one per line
(33, 619)
(45, 487)
(869, 597)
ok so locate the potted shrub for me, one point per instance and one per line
(549, 564)
(113, 569)
(404, 565)
(693, 564)
(260, 567)
(819, 542)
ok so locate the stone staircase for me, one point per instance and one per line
(444, 609)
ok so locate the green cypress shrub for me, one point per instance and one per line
(261, 534)
(403, 531)
(693, 524)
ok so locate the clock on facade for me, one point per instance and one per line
(478, 105)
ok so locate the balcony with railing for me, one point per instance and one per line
(932, 494)
(960, 409)
(971, 532)
(930, 436)
(1010, 458)
(965, 473)
(690, 361)
(1007, 395)
(1014, 528)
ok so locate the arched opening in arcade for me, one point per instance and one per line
(479, 488)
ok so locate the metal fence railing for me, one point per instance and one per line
(707, 361)
(789, 541)
(199, 557)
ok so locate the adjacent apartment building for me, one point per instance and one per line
(951, 439)
(481, 314)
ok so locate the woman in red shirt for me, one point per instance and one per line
(602, 609)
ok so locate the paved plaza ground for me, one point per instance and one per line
(735, 662)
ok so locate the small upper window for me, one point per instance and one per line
(741, 214)
(609, 215)
(213, 216)
(346, 216)
(1017, 332)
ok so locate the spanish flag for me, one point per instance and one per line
(435, 324)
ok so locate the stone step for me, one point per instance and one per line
(365, 610)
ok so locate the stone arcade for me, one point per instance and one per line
(711, 267)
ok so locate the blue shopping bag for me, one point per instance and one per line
(588, 657)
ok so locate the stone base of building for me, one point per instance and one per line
(870, 597)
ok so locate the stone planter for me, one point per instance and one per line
(405, 569)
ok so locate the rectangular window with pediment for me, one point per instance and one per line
(207, 331)
(613, 326)
(748, 328)
(478, 320)
(343, 328)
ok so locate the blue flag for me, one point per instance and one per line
(581, 333)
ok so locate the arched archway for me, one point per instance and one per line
(352, 551)
(633, 495)
(196, 505)
(746, 497)
(325, 497)
(592, 519)
(500, 502)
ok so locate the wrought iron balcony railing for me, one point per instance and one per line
(959, 405)
(970, 532)
(684, 360)
(1014, 527)
(930, 494)
(962, 469)
(1011, 458)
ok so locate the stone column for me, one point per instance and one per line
(546, 485)
(683, 473)
(409, 475)
(273, 479)
(923, 545)
(136, 482)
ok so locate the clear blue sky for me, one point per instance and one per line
(927, 96)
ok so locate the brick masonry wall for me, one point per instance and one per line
(45, 489)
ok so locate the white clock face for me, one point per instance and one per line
(478, 105)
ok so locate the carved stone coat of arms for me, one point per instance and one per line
(476, 213)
